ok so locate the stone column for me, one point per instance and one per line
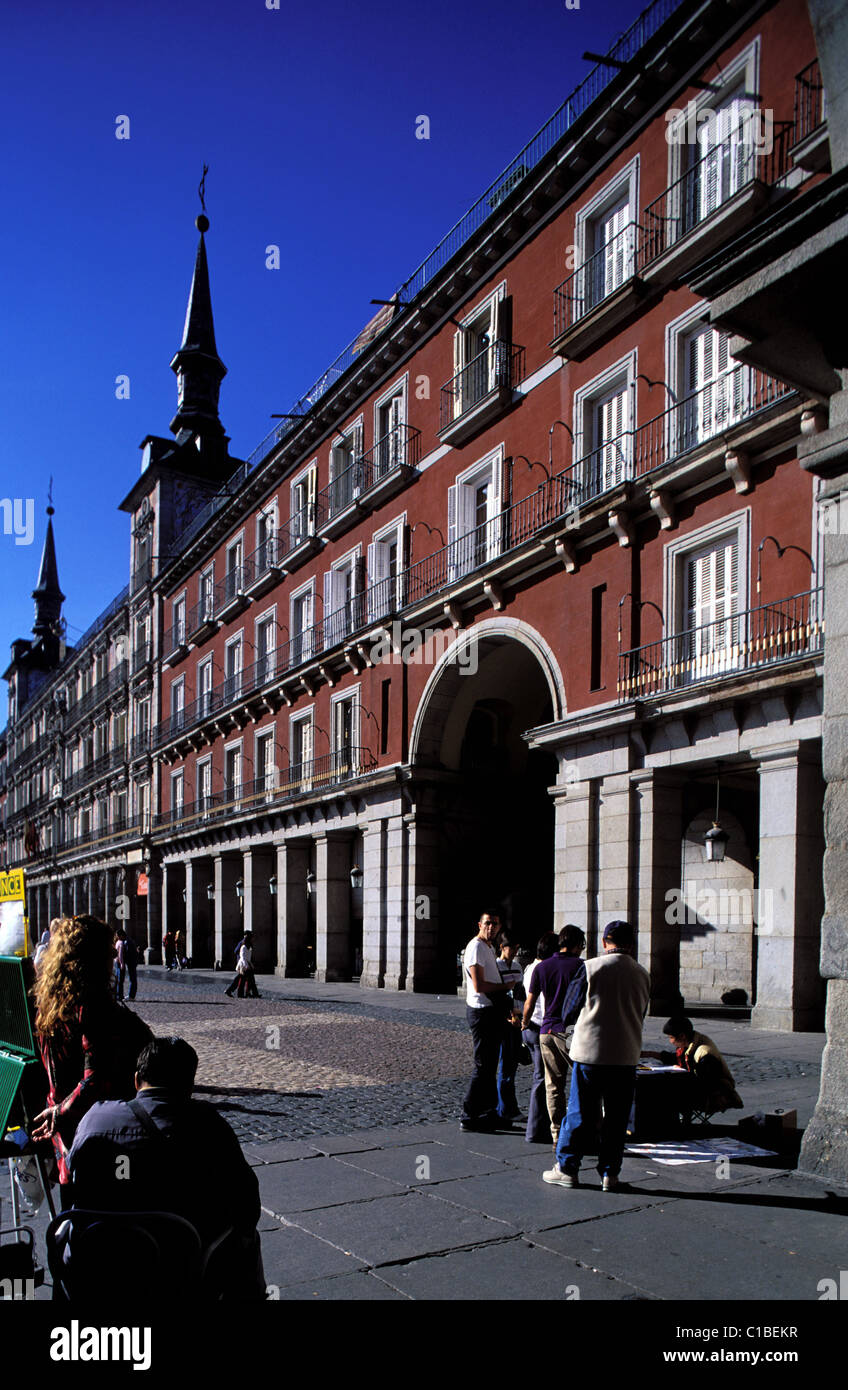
(373, 904)
(292, 914)
(615, 850)
(395, 903)
(155, 915)
(575, 848)
(109, 898)
(168, 922)
(191, 888)
(76, 896)
(228, 922)
(332, 870)
(259, 911)
(422, 909)
(658, 797)
(90, 895)
(788, 990)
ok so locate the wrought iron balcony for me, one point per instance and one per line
(601, 275)
(265, 793)
(724, 649)
(809, 102)
(98, 767)
(201, 621)
(262, 569)
(711, 183)
(476, 393)
(115, 679)
(103, 836)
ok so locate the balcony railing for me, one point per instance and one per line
(98, 767)
(496, 368)
(341, 491)
(266, 792)
(604, 272)
(203, 612)
(142, 575)
(263, 560)
(773, 632)
(104, 835)
(711, 181)
(99, 691)
(396, 450)
(809, 102)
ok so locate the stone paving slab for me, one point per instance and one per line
(662, 1251)
(278, 1151)
(527, 1202)
(391, 1229)
(309, 1184)
(516, 1271)
(440, 1163)
(292, 1256)
(346, 1288)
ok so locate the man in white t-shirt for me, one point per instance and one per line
(485, 1019)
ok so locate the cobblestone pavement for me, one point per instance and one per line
(286, 1067)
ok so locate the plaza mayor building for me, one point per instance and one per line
(520, 608)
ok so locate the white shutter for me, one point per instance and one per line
(311, 493)
(458, 364)
(610, 242)
(331, 622)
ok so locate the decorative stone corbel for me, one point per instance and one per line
(353, 660)
(814, 420)
(363, 654)
(662, 505)
(453, 613)
(567, 552)
(309, 683)
(619, 524)
(738, 465)
(328, 675)
(494, 593)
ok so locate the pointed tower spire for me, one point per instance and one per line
(198, 367)
(47, 594)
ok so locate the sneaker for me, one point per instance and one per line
(611, 1183)
(559, 1175)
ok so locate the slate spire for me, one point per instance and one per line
(198, 367)
(47, 594)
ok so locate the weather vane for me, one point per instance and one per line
(201, 221)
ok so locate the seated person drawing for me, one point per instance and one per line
(712, 1087)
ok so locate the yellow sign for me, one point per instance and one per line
(13, 924)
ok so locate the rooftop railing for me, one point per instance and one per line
(773, 632)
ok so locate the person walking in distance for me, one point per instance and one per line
(552, 978)
(607, 1002)
(244, 969)
(513, 977)
(483, 984)
(538, 1121)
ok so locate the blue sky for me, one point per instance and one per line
(306, 117)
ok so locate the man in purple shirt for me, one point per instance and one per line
(552, 978)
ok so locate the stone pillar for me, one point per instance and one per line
(155, 915)
(788, 991)
(373, 904)
(109, 898)
(575, 848)
(424, 970)
(76, 896)
(395, 903)
(168, 923)
(615, 850)
(332, 870)
(658, 807)
(228, 920)
(191, 888)
(91, 905)
(292, 914)
(258, 905)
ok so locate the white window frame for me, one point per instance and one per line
(337, 628)
(235, 746)
(389, 455)
(463, 558)
(465, 397)
(307, 479)
(206, 606)
(305, 718)
(348, 767)
(207, 664)
(236, 642)
(261, 738)
(203, 798)
(307, 649)
(177, 703)
(270, 515)
(178, 630)
(350, 444)
(679, 551)
(177, 786)
(677, 333)
(269, 617)
(381, 601)
(587, 398)
(234, 574)
(623, 187)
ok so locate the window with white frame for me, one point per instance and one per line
(234, 569)
(179, 621)
(346, 468)
(232, 770)
(603, 419)
(606, 239)
(265, 762)
(707, 596)
(266, 648)
(481, 352)
(142, 720)
(303, 494)
(204, 784)
(177, 793)
(120, 810)
(715, 385)
(385, 567)
(301, 624)
(204, 687)
(233, 666)
(206, 594)
(344, 749)
(142, 801)
(300, 744)
(266, 534)
(474, 516)
(343, 586)
(178, 704)
(389, 432)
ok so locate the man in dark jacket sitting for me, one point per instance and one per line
(180, 1156)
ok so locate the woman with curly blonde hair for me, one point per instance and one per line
(89, 1042)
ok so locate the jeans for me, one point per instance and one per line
(538, 1123)
(481, 1098)
(510, 1043)
(592, 1088)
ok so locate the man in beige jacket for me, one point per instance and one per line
(607, 1001)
